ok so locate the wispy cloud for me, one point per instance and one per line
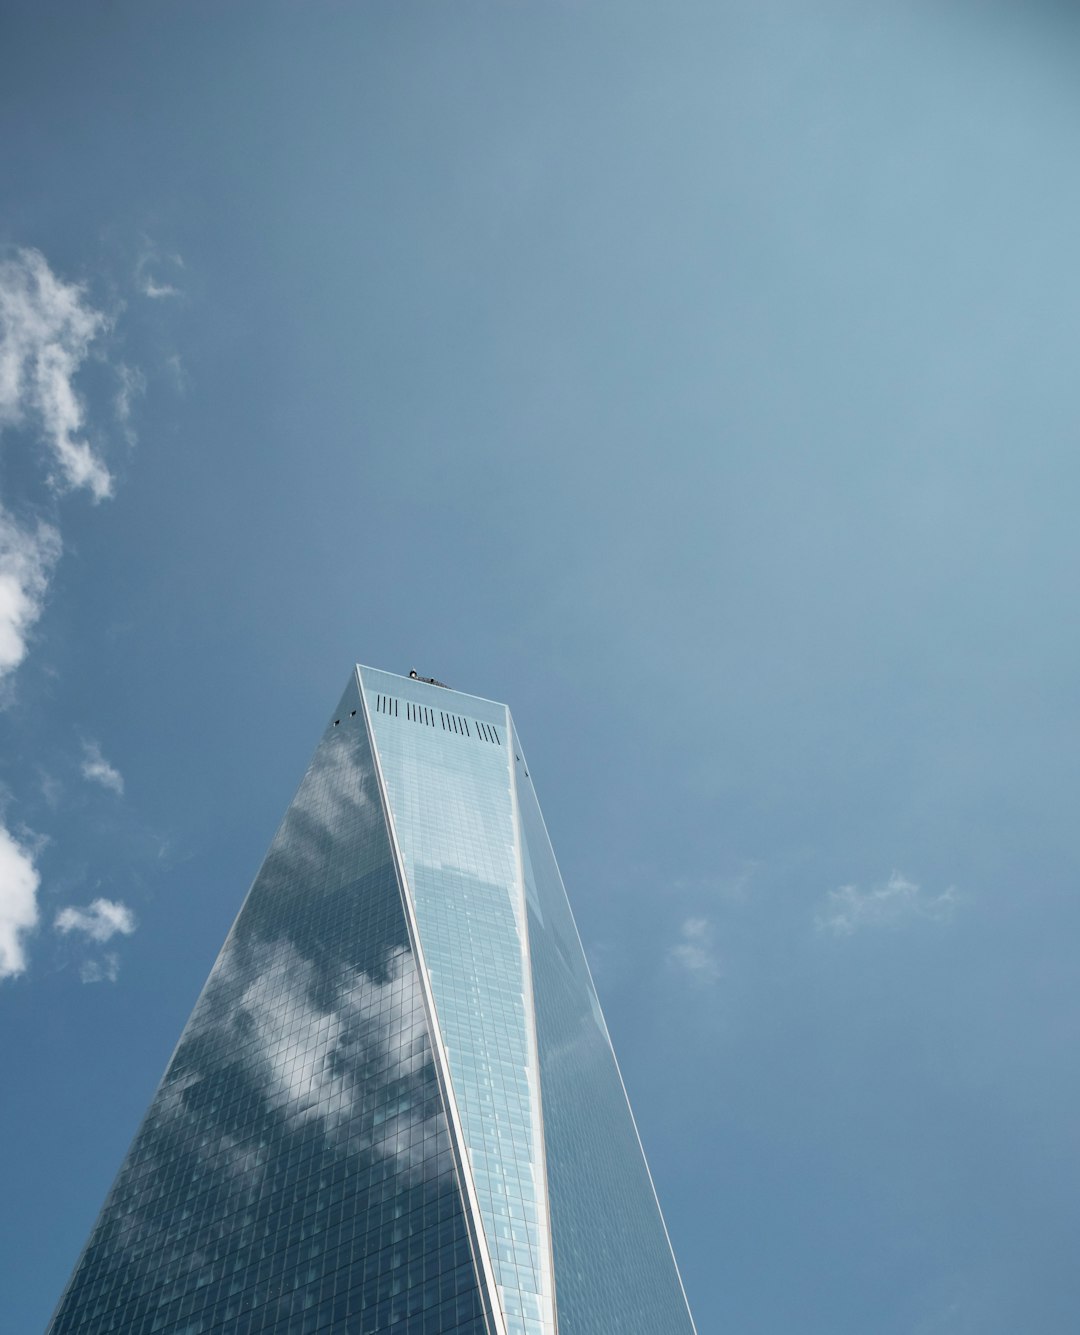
(100, 921)
(27, 556)
(132, 384)
(695, 952)
(157, 290)
(46, 329)
(898, 900)
(97, 769)
(19, 881)
(150, 286)
(174, 364)
(104, 970)
(51, 788)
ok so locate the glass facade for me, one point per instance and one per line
(395, 1106)
(294, 1172)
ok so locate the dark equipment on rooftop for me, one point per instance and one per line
(431, 681)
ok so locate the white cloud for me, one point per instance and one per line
(46, 328)
(157, 290)
(105, 970)
(849, 909)
(97, 769)
(19, 881)
(101, 920)
(695, 953)
(27, 557)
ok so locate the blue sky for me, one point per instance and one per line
(697, 378)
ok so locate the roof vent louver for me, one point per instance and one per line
(424, 714)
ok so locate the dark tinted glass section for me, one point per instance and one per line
(294, 1172)
(614, 1271)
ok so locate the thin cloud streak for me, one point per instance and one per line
(848, 909)
(105, 970)
(132, 386)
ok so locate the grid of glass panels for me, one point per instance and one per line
(614, 1270)
(294, 1173)
(450, 791)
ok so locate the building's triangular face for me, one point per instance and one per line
(613, 1263)
(395, 1107)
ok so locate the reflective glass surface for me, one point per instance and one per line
(294, 1173)
(614, 1270)
(446, 762)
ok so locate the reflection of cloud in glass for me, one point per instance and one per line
(336, 794)
(310, 1062)
(356, 1075)
(244, 1163)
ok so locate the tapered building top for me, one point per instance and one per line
(395, 1107)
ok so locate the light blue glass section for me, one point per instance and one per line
(446, 764)
(614, 1270)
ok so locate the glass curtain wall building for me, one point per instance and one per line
(395, 1107)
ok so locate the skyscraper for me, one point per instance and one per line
(395, 1107)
